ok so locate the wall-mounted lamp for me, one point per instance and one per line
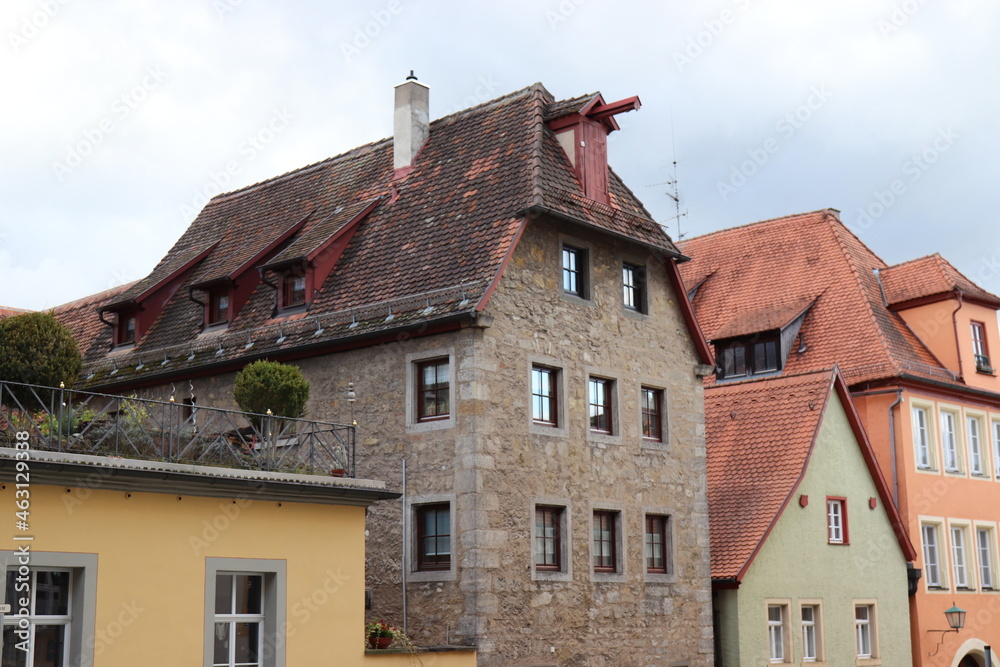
(956, 621)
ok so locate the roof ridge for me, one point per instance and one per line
(772, 378)
(914, 260)
(537, 147)
(760, 222)
(75, 303)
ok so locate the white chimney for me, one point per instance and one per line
(411, 121)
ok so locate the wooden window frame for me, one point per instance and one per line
(841, 502)
(289, 291)
(424, 562)
(574, 272)
(125, 334)
(658, 525)
(215, 314)
(549, 400)
(651, 419)
(634, 287)
(437, 390)
(605, 521)
(747, 347)
(602, 412)
(555, 516)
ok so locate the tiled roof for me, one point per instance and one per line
(926, 277)
(429, 250)
(773, 267)
(759, 435)
(8, 312)
(80, 317)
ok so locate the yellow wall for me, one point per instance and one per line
(151, 569)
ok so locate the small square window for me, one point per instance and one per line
(836, 520)
(599, 399)
(433, 536)
(574, 271)
(605, 544)
(433, 390)
(652, 414)
(634, 287)
(658, 543)
(548, 538)
(544, 395)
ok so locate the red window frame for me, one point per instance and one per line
(544, 395)
(658, 535)
(605, 542)
(293, 290)
(434, 398)
(652, 413)
(548, 538)
(126, 330)
(218, 307)
(429, 542)
(842, 502)
(599, 402)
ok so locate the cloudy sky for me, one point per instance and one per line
(120, 119)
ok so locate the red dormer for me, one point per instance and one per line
(583, 135)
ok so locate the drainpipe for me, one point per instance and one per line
(406, 541)
(892, 446)
(958, 344)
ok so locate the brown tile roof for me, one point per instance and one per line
(80, 316)
(760, 437)
(927, 277)
(428, 251)
(757, 274)
(8, 312)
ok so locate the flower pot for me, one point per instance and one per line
(379, 642)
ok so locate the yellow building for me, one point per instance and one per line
(130, 562)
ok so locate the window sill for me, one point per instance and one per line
(551, 575)
(868, 662)
(420, 576)
(578, 300)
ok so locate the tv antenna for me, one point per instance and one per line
(673, 190)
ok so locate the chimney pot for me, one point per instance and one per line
(411, 121)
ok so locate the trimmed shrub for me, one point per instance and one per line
(269, 385)
(36, 349)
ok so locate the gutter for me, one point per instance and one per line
(892, 446)
(958, 344)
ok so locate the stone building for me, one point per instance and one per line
(506, 324)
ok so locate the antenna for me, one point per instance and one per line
(674, 189)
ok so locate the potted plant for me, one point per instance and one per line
(381, 635)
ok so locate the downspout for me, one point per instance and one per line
(406, 542)
(892, 447)
(260, 272)
(203, 305)
(958, 344)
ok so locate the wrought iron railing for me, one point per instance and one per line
(80, 422)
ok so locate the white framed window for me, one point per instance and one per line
(634, 287)
(985, 554)
(996, 449)
(959, 556)
(777, 633)
(865, 630)
(836, 520)
(244, 612)
(932, 555)
(921, 438)
(60, 608)
(949, 442)
(812, 635)
(973, 431)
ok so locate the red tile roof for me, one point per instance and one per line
(8, 312)
(80, 316)
(928, 277)
(760, 437)
(429, 251)
(758, 274)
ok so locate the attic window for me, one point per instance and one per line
(979, 348)
(293, 290)
(126, 328)
(749, 356)
(218, 307)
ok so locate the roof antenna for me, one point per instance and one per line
(675, 193)
(412, 76)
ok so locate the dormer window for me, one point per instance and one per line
(749, 356)
(218, 307)
(126, 328)
(293, 290)
(979, 348)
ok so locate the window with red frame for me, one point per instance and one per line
(836, 520)
(652, 414)
(605, 541)
(218, 308)
(433, 390)
(126, 328)
(548, 538)
(294, 293)
(658, 547)
(599, 400)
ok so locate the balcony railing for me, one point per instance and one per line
(79, 422)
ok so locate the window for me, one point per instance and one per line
(810, 633)
(218, 308)
(293, 290)
(864, 630)
(126, 328)
(921, 438)
(958, 557)
(548, 538)
(434, 536)
(239, 619)
(949, 442)
(753, 356)
(932, 562)
(659, 557)
(984, 550)
(634, 287)
(47, 614)
(836, 520)
(433, 390)
(652, 413)
(979, 349)
(244, 612)
(974, 427)
(996, 449)
(574, 271)
(599, 401)
(777, 617)
(544, 396)
(605, 541)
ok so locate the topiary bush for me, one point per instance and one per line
(269, 385)
(36, 349)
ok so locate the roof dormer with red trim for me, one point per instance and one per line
(583, 135)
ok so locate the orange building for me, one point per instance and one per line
(913, 342)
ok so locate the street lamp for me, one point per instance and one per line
(956, 621)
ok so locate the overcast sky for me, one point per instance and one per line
(120, 119)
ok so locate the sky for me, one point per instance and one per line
(120, 119)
